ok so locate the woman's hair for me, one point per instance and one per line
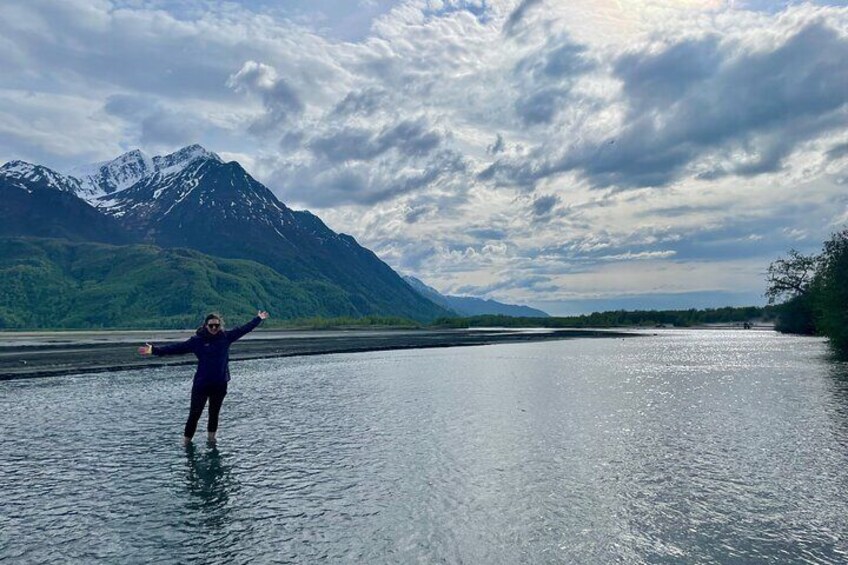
(212, 316)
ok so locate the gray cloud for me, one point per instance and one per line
(541, 106)
(131, 106)
(517, 16)
(75, 41)
(654, 81)
(478, 8)
(546, 77)
(837, 151)
(560, 58)
(497, 147)
(281, 101)
(360, 103)
(543, 205)
(415, 214)
(533, 282)
(356, 144)
(167, 128)
(411, 138)
(487, 233)
(697, 98)
(366, 181)
(153, 125)
(768, 101)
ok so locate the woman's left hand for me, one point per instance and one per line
(262, 314)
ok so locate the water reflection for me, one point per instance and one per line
(691, 446)
(210, 481)
(838, 373)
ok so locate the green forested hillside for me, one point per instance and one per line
(49, 283)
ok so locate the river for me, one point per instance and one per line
(692, 446)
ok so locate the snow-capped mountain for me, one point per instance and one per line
(191, 198)
(219, 209)
(39, 202)
(29, 177)
(107, 177)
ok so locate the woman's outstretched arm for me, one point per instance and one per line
(172, 349)
(241, 331)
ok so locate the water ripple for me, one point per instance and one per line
(689, 446)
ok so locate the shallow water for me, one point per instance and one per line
(687, 446)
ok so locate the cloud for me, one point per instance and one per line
(478, 8)
(167, 128)
(705, 107)
(838, 151)
(543, 205)
(497, 147)
(361, 181)
(410, 138)
(360, 103)
(155, 126)
(517, 16)
(281, 101)
(545, 79)
(99, 43)
(532, 150)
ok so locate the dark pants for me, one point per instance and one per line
(200, 393)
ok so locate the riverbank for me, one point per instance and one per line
(45, 354)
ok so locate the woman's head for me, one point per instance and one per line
(213, 323)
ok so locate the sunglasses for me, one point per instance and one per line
(213, 325)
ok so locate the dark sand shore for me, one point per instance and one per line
(43, 354)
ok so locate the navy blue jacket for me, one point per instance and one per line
(212, 351)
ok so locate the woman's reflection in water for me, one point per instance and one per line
(210, 481)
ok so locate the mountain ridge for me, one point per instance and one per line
(192, 199)
(108, 177)
(473, 306)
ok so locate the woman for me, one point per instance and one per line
(211, 345)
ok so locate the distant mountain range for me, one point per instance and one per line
(470, 306)
(189, 199)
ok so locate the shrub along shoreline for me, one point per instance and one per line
(811, 292)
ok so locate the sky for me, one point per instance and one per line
(573, 156)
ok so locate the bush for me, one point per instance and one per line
(815, 289)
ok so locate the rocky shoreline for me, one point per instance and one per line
(45, 354)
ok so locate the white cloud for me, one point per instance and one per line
(526, 149)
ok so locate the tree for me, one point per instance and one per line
(791, 277)
(830, 291)
(814, 290)
(789, 282)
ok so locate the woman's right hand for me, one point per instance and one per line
(145, 349)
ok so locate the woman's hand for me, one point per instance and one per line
(145, 349)
(262, 314)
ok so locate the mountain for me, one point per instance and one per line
(37, 201)
(99, 179)
(470, 306)
(193, 199)
(54, 283)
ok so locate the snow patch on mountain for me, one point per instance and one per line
(99, 180)
(177, 162)
(25, 175)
